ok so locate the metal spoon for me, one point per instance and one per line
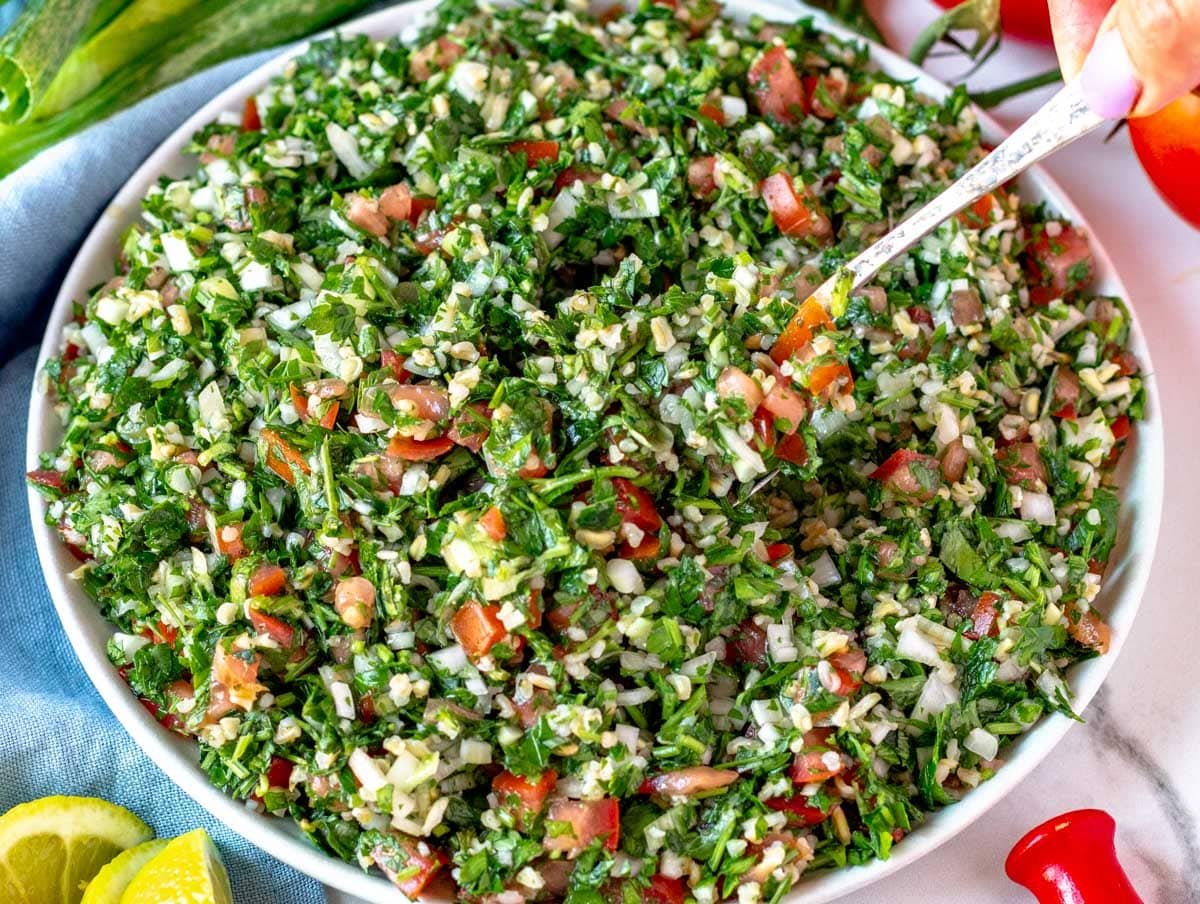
(1063, 118)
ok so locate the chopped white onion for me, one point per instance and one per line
(825, 572)
(1037, 507)
(982, 743)
(367, 771)
(936, 695)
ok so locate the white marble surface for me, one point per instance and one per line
(1138, 754)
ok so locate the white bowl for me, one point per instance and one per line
(1142, 487)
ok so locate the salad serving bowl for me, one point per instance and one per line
(1141, 489)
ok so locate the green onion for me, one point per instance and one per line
(150, 45)
(32, 51)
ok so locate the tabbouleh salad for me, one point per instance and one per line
(462, 466)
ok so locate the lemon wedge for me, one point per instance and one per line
(51, 848)
(188, 870)
(110, 883)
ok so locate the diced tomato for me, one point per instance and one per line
(825, 378)
(161, 633)
(791, 212)
(529, 794)
(701, 176)
(282, 457)
(810, 766)
(1090, 630)
(665, 890)
(470, 429)
(1066, 413)
(477, 627)
(713, 113)
(410, 449)
(688, 781)
(47, 478)
(983, 617)
(279, 772)
(329, 418)
(299, 401)
(848, 666)
(776, 87)
(1059, 265)
(820, 88)
(414, 868)
(419, 207)
(585, 821)
(1022, 464)
(394, 361)
(571, 175)
(275, 628)
(535, 151)
(747, 643)
(809, 317)
(898, 473)
(493, 524)
(920, 315)
(267, 580)
(251, 121)
(792, 449)
(229, 541)
(777, 551)
(764, 429)
(616, 111)
(979, 214)
(635, 505)
(1121, 427)
(533, 468)
(788, 406)
(798, 810)
(168, 720)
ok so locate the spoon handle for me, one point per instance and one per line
(1060, 121)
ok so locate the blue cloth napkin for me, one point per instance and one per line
(58, 737)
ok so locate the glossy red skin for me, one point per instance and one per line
(1072, 859)
(535, 151)
(530, 793)
(276, 629)
(777, 88)
(409, 449)
(478, 628)
(1026, 19)
(589, 820)
(251, 121)
(664, 890)
(1168, 145)
(797, 809)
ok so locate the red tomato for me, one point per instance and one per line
(1025, 19)
(478, 628)
(1058, 265)
(493, 524)
(410, 449)
(635, 505)
(394, 361)
(419, 207)
(161, 633)
(586, 820)
(279, 773)
(1121, 427)
(897, 475)
(848, 666)
(700, 176)
(1168, 145)
(251, 122)
(792, 213)
(229, 541)
(712, 112)
(282, 457)
(470, 428)
(275, 628)
(530, 794)
(792, 449)
(665, 890)
(535, 151)
(776, 87)
(798, 810)
(983, 617)
(47, 478)
(267, 580)
(777, 551)
(824, 379)
(329, 418)
(299, 401)
(414, 869)
(810, 316)
(1022, 464)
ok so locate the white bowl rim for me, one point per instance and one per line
(87, 630)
